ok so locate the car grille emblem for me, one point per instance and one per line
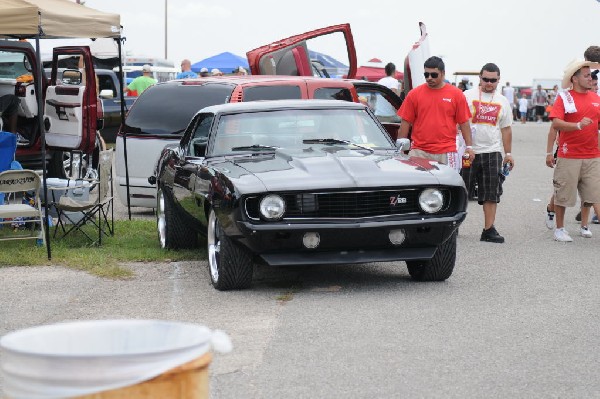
(396, 200)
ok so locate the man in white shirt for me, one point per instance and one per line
(384, 111)
(509, 92)
(491, 134)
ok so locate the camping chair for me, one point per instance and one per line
(8, 148)
(99, 212)
(22, 181)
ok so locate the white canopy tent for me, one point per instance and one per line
(55, 19)
(51, 19)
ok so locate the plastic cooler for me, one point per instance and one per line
(110, 359)
(76, 189)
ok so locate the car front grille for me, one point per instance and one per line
(349, 204)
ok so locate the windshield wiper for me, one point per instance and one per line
(336, 141)
(255, 147)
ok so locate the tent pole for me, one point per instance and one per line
(122, 91)
(40, 104)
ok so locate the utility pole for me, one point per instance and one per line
(166, 29)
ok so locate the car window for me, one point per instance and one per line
(13, 64)
(200, 136)
(333, 93)
(166, 109)
(289, 129)
(383, 109)
(255, 93)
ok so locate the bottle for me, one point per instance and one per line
(466, 162)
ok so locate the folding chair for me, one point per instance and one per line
(23, 181)
(74, 214)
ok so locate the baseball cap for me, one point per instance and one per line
(215, 71)
(147, 68)
(204, 70)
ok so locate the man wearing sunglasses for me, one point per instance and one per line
(433, 110)
(491, 133)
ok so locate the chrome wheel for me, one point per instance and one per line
(161, 221)
(214, 246)
(75, 167)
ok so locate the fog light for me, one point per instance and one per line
(397, 237)
(311, 240)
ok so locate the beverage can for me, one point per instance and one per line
(466, 162)
(506, 169)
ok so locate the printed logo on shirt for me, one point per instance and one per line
(596, 105)
(486, 113)
(447, 99)
(564, 148)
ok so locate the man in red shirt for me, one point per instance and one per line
(433, 110)
(576, 114)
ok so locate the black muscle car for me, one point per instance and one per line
(304, 182)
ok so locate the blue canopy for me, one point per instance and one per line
(327, 60)
(226, 62)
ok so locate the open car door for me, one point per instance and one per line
(302, 55)
(71, 104)
(413, 63)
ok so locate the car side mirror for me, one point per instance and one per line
(107, 93)
(200, 148)
(403, 144)
(72, 77)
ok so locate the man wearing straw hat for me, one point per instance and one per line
(576, 114)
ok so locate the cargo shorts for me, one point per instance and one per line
(576, 175)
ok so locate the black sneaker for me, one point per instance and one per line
(491, 235)
(578, 217)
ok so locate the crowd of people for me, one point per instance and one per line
(444, 120)
(145, 80)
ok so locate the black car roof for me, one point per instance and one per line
(271, 105)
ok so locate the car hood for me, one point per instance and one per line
(331, 167)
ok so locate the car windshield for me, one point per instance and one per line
(13, 64)
(298, 128)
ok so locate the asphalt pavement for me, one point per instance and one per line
(518, 319)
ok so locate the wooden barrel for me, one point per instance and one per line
(188, 381)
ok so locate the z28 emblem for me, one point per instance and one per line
(397, 200)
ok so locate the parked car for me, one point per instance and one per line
(110, 95)
(304, 182)
(70, 109)
(162, 112)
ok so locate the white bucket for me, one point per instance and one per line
(81, 358)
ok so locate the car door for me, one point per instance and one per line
(378, 98)
(71, 104)
(295, 55)
(413, 63)
(190, 189)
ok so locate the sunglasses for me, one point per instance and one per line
(434, 75)
(488, 80)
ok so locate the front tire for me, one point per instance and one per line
(173, 231)
(438, 268)
(229, 264)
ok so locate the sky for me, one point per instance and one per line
(527, 39)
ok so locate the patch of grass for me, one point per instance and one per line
(134, 241)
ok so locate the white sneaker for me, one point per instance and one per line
(585, 232)
(562, 235)
(550, 220)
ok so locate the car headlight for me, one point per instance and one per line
(272, 207)
(431, 200)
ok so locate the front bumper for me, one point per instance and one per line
(280, 244)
